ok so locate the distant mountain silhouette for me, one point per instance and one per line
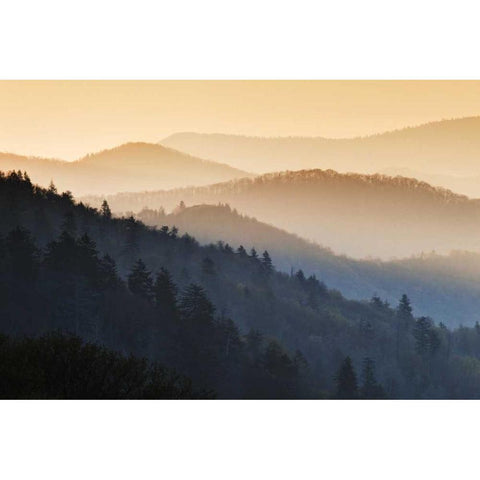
(357, 215)
(446, 287)
(447, 146)
(129, 167)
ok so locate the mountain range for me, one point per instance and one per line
(449, 147)
(357, 215)
(128, 167)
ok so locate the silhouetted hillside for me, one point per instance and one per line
(446, 287)
(225, 318)
(353, 214)
(448, 146)
(58, 366)
(129, 167)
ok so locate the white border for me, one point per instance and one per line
(252, 39)
(239, 40)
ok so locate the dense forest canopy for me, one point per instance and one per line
(226, 318)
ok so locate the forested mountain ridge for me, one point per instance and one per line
(462, 184)
(353, 214)
(128, 167)
(211, 312)
(447, 146)
(445, 287)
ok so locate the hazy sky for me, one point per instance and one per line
(67, 119)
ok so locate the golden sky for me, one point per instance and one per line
(67, 119)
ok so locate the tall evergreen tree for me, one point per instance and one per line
(404, 311)
(105, 210)
(346, 381)
(404, 321)
(108, 273)
(140, 281)
(370, 388)
(131, 248)
(165, 294)
(241, 251)
(427, 340)
(267, 262)
(195, 307)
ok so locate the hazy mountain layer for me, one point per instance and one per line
(465, 185)
(448, 146)
(446, 287)
(129, 167)
(357, 215)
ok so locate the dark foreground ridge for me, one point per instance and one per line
(224, 318)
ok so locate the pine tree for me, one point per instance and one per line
(427, 340)
(105, 210)
(140, 281)
(165, 294)
(108, 273)
(370, 388)
(404, 320)
(404, 311)
(88, 257)
(300, 277)
(61, 255)
(346, 381)
(131, 248)
(376, 302)
(253, 253)
(267, 262)
(241, 251)
(421, 334)
(195, 307)
(52, 189)
(277, 362)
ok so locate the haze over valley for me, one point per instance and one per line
(357, 215)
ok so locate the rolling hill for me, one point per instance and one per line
(446, 287)
(357, 215)
(444, 147)
(129, 167)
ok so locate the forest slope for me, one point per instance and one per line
(227, 319)
(445, 287)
